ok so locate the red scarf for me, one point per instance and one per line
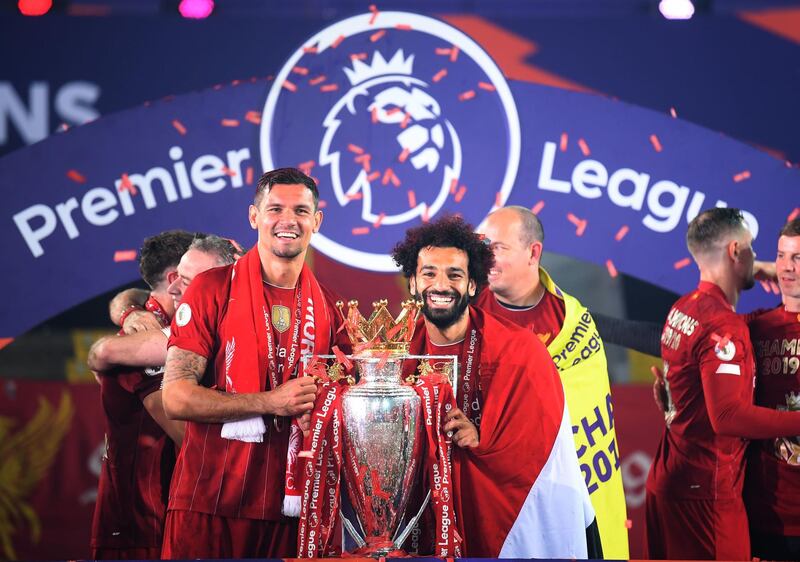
(251, 358)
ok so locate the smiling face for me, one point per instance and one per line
(442, 280)
(516, 263)
(787, 266)
(193, 263)
(285, 219)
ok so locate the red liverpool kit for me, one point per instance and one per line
(544, 319)
(132, 492)
(694, 506)
(229, 479)
(772, 486)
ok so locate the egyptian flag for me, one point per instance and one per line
(520, 493)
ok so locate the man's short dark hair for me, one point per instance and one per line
(162, 252)
(791, 228)
(223, 249)
(284, 176)
(711, 227)
(447, 232)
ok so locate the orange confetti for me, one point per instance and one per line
(439, 75)
(127, 185)
(612, 269)
(404, 155)
(403, 27)
(412, 198)
(794, 214)
(680, 264)
(584, 147)
(76, 176)
(306, 166)
(579, 223)
(460, 195)
(468, 95)
(375, 12)
(453, 186)
(228, 172)
(741, 176)
(329, 88)
(377, 35)
(337, 41)
(486, 86)
(390, 176)
(124, 255)
(536, 209)
(406, 120)
(656, 143)
(374, 114)
(322, 204)
(628, 524)
(249, 176)
(498, 199)
(301, 70)
(253, 117)
(621, 233)
(563, 144)
(442, 51)
(673, 112)
(230, 122)
(5, 341)
(355, 196)
(179, 126)
(379, 220)
(355, 148)
(310, 50)
(318, 80)
(364, 160)
(358, 56)
(289, 86)
(373, 176)
(425, 214)
(454, 53)
(392, 110)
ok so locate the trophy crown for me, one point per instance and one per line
(381, 332)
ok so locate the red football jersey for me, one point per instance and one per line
(134, 477)
(545, 318)
(707, 355)
(221, 476)
(772, 488)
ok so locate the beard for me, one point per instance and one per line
(443, 318)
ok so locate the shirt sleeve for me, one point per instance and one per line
(195, 323)
(727, 374)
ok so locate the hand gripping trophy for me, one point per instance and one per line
(376, 434)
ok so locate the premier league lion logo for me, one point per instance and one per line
(398, 117)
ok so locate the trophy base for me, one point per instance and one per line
(378, 548)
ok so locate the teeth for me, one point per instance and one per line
(441, 300)
(289, 235)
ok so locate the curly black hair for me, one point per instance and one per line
(450, 231)
(161, 252)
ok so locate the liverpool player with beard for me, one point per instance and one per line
(694, 505)
(518, 489)
(231, 373)
(131, 497)
(772, 485)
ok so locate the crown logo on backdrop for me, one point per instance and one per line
(379, 66)
(382, 332)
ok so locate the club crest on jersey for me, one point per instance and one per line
(280, 317)
(399, 117)
(183, 314)
(726, 352)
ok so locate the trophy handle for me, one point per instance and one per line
(351, 530)
(400, 538)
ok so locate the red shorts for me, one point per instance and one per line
(126, 553)
(696, 529)
(191, 535)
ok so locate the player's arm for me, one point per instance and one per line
(147, 348)
(185, 399)
(155, 407)
(127, 311)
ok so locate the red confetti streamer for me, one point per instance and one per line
(124, 255)
(377, 35)
(453, 186)
(127, 185)
(563, 144)
(318, 80)
(76, 176)
(364, 160)
(310, 50)
(454, 53)
(373, 176)
(425, 217)
(403, 27)
(406, 120)
(673, 112)
(680, 264)
(579, 223)
(460, 195)
(404, 155)
(741, 176)
(379, 220)
(389, 176)
(360, 231)
(498, 199)
(412, 198)
(253, 117)
(536, 209)
(722, 341)
(612, 269)
(342, 358)
(468, 95)
(179, 126)
(229, 122)
(322, 204)
(794, 214)
(329, 88)
(656, 143)
(392, 110)
(5, 341)
(374, 114)
(486, 86)
(628, 524)
(355, 196)
(439, 75)
(249, 176)
(584, 147)
(358, 56)
(306, 167)
(337, 41)
(621, 233)
(301, 70)
(442, 51)
(289, 86)
(355, 148)
(228, 172)
(375, 12)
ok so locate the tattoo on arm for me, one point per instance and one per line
(184, 365)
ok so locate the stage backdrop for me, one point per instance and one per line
(400, 118)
